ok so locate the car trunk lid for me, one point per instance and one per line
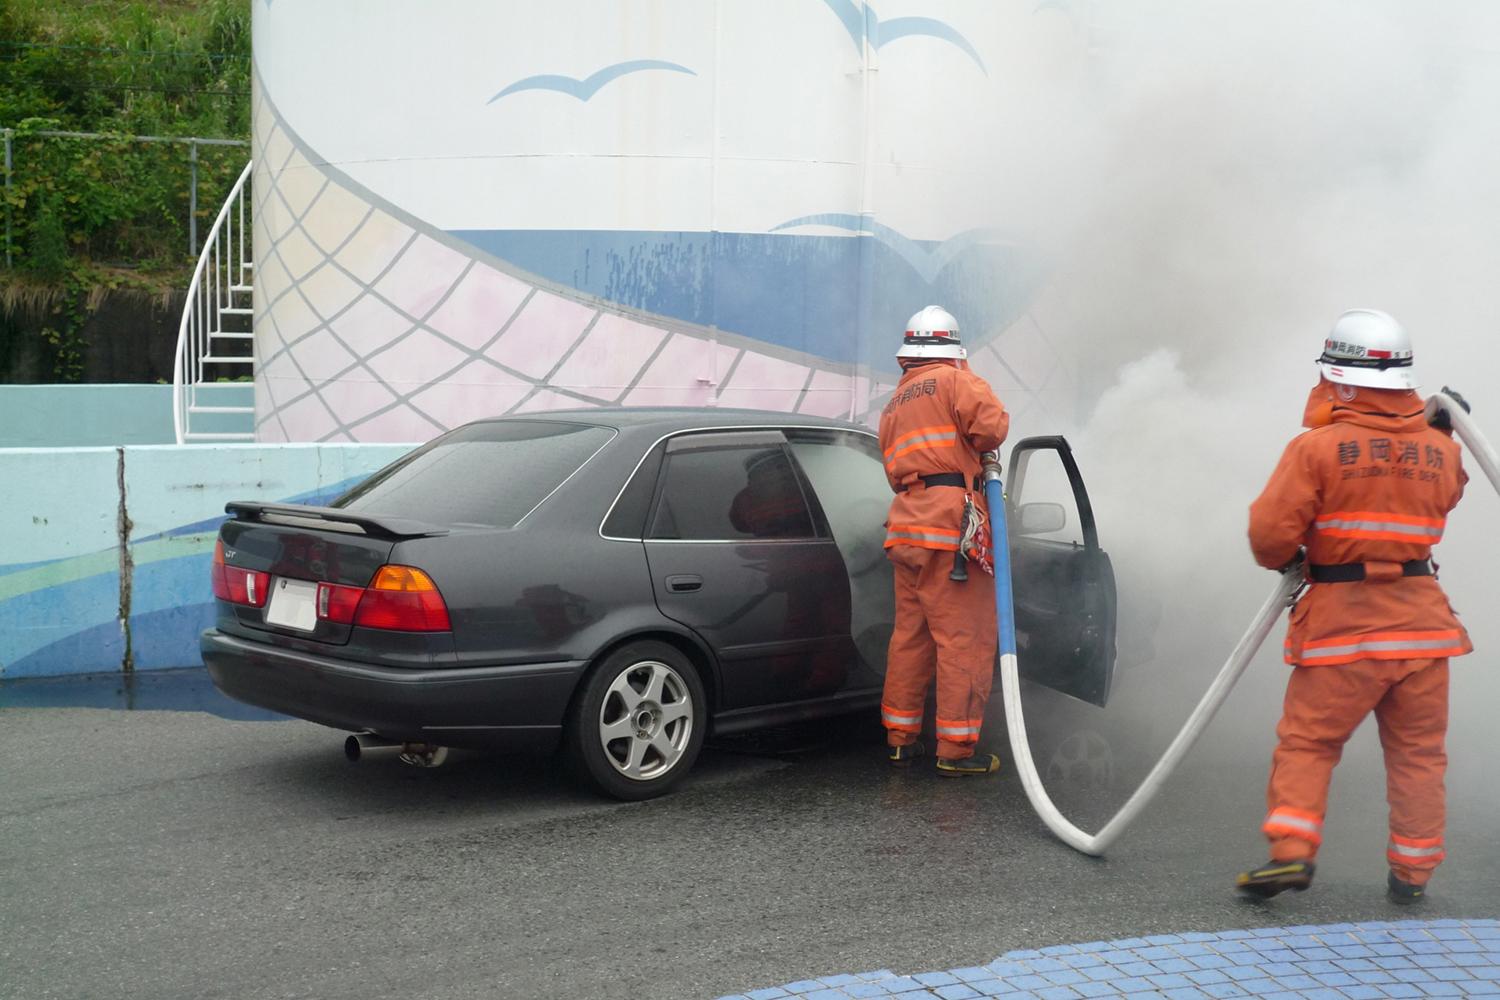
(300, 547)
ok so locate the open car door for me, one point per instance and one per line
(1063, 581)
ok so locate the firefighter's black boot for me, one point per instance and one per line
(1275, 877)
(903, 756)
(1402, 892)
(980, 763)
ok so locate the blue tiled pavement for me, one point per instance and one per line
(1410, 958)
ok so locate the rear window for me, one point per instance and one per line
(484, 475)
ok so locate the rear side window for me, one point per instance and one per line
(484, 475)
(729, 494)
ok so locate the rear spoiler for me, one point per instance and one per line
(331, 519)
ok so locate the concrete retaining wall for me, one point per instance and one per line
(104, 552)
(77, 416)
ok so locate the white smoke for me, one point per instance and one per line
(1220, 180)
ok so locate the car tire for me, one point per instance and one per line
(638, 723)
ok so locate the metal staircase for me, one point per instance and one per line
(212, 397)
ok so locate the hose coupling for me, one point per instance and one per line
(990, 461)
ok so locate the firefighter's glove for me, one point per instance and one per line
(1296, 560)
(1440, 419)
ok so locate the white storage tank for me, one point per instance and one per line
(473, 208)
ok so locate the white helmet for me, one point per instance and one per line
(1368, 347)
(932, 333)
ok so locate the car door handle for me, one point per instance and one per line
(685, 583)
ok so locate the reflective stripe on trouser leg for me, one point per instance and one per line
(912, 658)
(1282, 823)
(961, 617)
(1323, 706)
(1413, 720)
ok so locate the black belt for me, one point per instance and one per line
(940, 479)
(1353, 572)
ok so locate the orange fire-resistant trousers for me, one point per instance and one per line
(945, 630)
(1323, 707)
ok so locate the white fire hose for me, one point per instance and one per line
(1287, 585)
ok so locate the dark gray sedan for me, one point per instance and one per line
(620, 582)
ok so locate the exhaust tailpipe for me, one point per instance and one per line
(362, 745)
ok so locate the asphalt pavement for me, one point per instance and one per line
(169, 854)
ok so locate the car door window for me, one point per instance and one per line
(730, 493)
(848, 481)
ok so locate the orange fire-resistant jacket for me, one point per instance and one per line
(940, 418)
(1369, 483)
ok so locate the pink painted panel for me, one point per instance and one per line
(418, 358)
(355, 396)
(423, 275)
(402, 425)
(321, 357)
(764, 383)
(479, 307)
(541, 335)
(828, 395)
(478, 391)
(308, 419)
(370, 324)
(673, 378)
(546, 400)
(609, 358)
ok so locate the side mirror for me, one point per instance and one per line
(1040, 518)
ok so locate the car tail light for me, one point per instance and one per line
(337, 603)
(238, 586)
(402, 598)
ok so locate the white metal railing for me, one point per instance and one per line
(216, 328)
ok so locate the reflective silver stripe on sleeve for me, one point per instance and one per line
(901, 720)
(1415, 852)
(908, 443)
(1295, 822)
(1394, 527)
(1380, 646)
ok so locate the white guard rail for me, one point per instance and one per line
(215, 343)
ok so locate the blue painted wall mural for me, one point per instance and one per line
(105, 555)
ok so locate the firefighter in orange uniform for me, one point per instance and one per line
(1365, 491)
(941, 417)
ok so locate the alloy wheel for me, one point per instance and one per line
(646, 721)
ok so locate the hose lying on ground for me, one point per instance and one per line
(1287, 585)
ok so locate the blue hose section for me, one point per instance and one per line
(1005, 611)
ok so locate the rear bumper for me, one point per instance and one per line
(512, 707)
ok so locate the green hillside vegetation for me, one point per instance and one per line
(116, 211)
(85, 219)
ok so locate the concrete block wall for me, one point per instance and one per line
(104, 552)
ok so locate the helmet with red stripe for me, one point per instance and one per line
(1368, 347)
(932, 333)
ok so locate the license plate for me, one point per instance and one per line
(294, 604)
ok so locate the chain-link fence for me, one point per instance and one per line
(132, 200)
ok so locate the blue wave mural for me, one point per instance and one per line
(792, 290)
(62, 617)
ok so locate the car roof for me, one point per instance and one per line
(667, 419)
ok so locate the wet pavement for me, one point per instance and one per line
(168, 853)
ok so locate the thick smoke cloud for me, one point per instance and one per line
(1216, 182)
